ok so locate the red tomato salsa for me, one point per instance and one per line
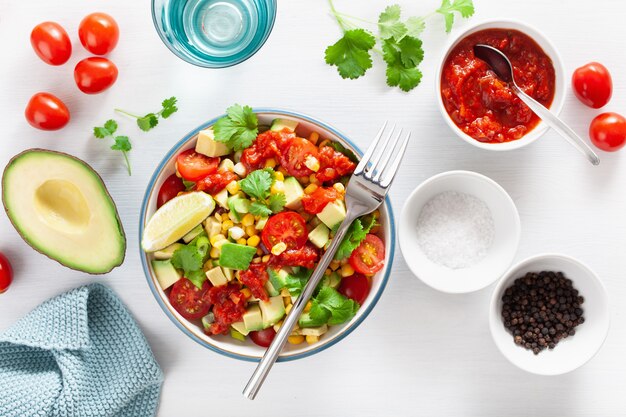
(482, 105)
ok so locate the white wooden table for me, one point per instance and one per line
(420, 352)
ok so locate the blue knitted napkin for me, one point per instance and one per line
(78, 354)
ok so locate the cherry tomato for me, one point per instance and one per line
(190, 301)
(46, 112)
(6, 273)
(293, 155)
(214, 183)
(263, 338)
(369, 257)
(255, 278)
(170, 189)
(288, 227)
(356, 287)
(94, 75)
(333, 165)
(51, 43)
(306, 257)
(194, 166)
(316, 201)
(608, 131)
(99, 33)
(592, 84)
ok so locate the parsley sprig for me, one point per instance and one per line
(238, 129)
(120, 143)
(150, 120)
(257, 185)
(401, 47)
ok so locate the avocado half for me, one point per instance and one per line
(61, 208)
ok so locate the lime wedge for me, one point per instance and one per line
(175, 219)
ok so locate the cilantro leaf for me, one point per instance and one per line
(257, 208)
(169, 107)
(238, 129)
(257, 184)
(464, 7)
(415, 26)
(355, 235)
(101, 132)
(318, 314)
(398, 73)
(197, 277)
(111, 126)
(151, 120)
(389, 24)
(187, 258)
(338, 308)
(277, 202)
(296, 281)
(350, 54)
(344, 312)
(189, 185)
(411, 52)
(329, 298)
(122, 143)
(147, 122)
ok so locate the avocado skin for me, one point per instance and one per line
(104, 188)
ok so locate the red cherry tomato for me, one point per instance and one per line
(190, 301)
(94, 75)
(316, 201)
(214, 183)
(194, 166)
(263, 337)
(46, 112)
(288, 227)
(51, 43)
(99, 33)
(6, 273)
(592, 84)
(369, 257)
(293, 155)
(356, 287)
(170, 189)
(608, 131)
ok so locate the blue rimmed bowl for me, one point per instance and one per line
(225, 344)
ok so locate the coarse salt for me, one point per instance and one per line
(455, 229)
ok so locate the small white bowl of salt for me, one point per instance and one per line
(459, 231)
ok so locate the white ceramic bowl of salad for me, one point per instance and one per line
(245, 349)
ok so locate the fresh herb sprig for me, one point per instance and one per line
(150, 120)
(121, 143)
(190, 258)
(401, 48)
(356, 234)
(257, 185)
(329, 306)
(238, 129)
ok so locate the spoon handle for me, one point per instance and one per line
(555, 123)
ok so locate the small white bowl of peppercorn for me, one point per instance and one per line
(549, 314)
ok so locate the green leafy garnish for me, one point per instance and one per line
(257, 208)
(238, 129)
(150, 120)
(120, 143)
(191, 257)
(355, 235)
(400, 46)
(257, 185)
(329, 305)
(276, 202)
(293, 282)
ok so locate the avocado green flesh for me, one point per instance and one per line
(61, 207)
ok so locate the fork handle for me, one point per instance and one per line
(270, 356)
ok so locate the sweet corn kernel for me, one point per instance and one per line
(295, 340)
(225, 217)
(246, 292)
(233, 187)
(254, 241)
(312, 163)
(247, 220)
(313, 179)
(314, 137)
(270, 163)
(240, 169)
(226, 165)
(279, 248)
(278, 187)
(207, 265)
(339, 187)
(279, 176)
(328, 272)
(312, 339)
(308, 306)
(287, 303)
(227, 225)
(256, 260)
(217, 238)
(334, 265)
(285, 293)
(310, 189)
(220, 243)
(347, 270)
(242, 241)
(266, 258)
(215, 253)
(250, 230)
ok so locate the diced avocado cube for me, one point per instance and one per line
(280, 124)
(208, 320)
(260, 225)
(270, 289)
(315, 331)
(238, 206)
(333, 214)
(293, 193)
(240, 326)
(228, 273)
(278, 279)
(165, 272)
(207, 145)
(216, 276)
(212, 226)
(193, 233)
(307, 321)
(253, 318)
(272, 310)
(236, 335)
(221, 198)
(235, 256)
(319, 235)
(166, 253)
(333, 280)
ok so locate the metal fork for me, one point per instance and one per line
(366, 191)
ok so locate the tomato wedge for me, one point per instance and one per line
(214, 183)
(293, 155)
(369, 257)
(190, 301)
(194, 166)
(288, 227)
(316, 201)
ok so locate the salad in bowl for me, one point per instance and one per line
(234, 222)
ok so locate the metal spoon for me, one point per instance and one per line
(502, 67)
